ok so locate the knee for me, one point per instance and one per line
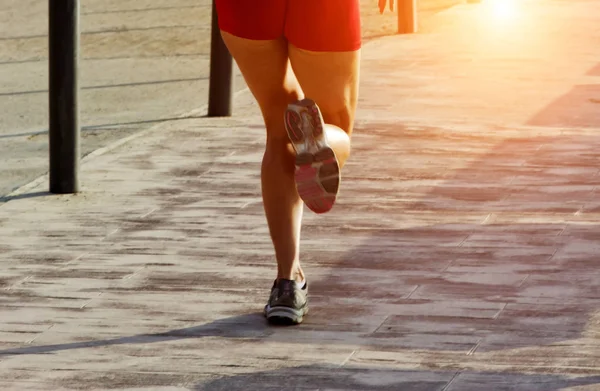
(341, 116)
(279, 152)
(273, 112)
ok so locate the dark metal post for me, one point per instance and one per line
(64, 88)
(407, 16)
(221, 72)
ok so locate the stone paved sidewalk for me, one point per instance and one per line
(462, 255)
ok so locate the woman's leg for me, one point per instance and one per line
(325, 57)
(331, 80)
(267, 71)
(320, 127)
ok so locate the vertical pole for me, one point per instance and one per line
(407, 16)
(221, 72)
(64, 111)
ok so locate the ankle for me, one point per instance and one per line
(297, 276)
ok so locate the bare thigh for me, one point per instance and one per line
(330, 79)
(266, 68)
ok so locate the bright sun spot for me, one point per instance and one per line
(503, 9)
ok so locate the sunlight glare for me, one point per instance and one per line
(504, 10)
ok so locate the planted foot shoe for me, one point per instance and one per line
(288, 303)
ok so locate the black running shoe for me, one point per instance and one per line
(288, 303)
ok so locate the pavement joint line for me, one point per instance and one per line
(385, 319)
(135, 272)
(134, 10)
(145, 215)
(450, 263)
(487, 219)
(91, 300)
(523, 280)
(38, 335)
(497, 314)
(44, 59)
(553, 254)
(107, 31)
(107, 126)
(475, 347)
(562, 231)
(348, 358)
(447, 386)
(411, 292)
(77, 258)
(109, 86)
(111, 233)
(247, 204)
(119, 31)
(466, 238)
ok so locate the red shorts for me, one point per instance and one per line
(315, 25)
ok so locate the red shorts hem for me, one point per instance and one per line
(314, 25)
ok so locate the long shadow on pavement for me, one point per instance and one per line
(579, 107)
(243, 326)
(321, 377)
(25, 196)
